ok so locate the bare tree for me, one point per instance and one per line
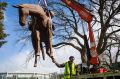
(68, 28)
(68, 25)
(107, 16)
(106, 26)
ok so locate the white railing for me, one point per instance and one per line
(28, 76)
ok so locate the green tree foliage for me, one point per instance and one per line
(2, 34)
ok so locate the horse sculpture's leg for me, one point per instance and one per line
(43, 54)
(36, 44)
(49, 50)
(50, 44)
(49, 40)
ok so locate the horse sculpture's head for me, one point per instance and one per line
(23, 13)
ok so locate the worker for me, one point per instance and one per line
(70, 69)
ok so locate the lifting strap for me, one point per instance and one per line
(45, 3)
(39, 2)
(45, 7)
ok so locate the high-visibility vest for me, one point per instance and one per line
(67, 70)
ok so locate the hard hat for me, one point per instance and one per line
(71, 57)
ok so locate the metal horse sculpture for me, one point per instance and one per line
(40, 28)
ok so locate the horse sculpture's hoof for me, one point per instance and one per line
(52, 58)
(35, 65)
(38, 54)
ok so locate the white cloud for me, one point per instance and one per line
(17, 63)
